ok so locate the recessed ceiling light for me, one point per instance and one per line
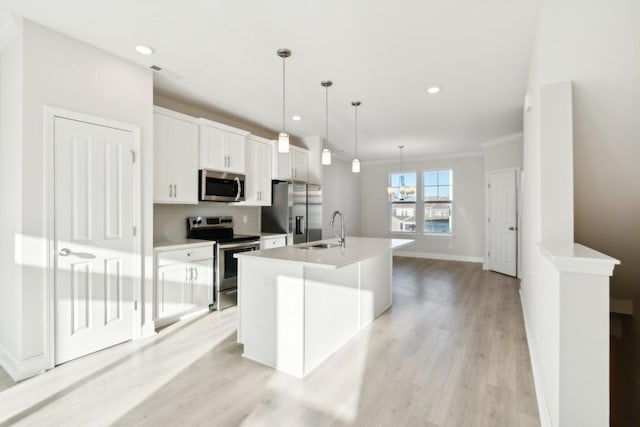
(297, 118)
(433, 90)
(145, 50)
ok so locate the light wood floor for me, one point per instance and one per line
(450, 352)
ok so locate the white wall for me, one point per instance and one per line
(504, 155)
(468, 242)
(588, 43)
(63, 72)
(11, 190)
(341, 191)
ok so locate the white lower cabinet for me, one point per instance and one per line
(184, 281)
(272, 242)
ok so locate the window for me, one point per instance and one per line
(402, 200)
(437, 201)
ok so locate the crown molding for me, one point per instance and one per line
(507, 139)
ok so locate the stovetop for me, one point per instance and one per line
(218, 228)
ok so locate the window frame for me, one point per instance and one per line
(424, 201)
(391, 202)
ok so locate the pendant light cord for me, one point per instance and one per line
(326, 103)
(356, 131)
(283, 95)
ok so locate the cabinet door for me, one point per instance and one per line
(171, 289)
(252, 178)
(212, 148)
(175, 160)
(265, 170)
(300, 159)
(202, 283)
(282, 166)
(234, 151)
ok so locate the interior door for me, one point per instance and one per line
(503, 236)
(94, 243)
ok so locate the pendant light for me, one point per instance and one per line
(404, 191)
(283, 137)
(326, 151)
(355, 164)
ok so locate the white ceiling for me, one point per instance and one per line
(384, 54)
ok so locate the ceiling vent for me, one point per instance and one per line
(171, 74)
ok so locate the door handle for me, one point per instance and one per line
(238, 183)
(511, 228)
(299, 224)
(195, 270)
(67, 252)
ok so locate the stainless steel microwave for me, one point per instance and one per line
(216, 186)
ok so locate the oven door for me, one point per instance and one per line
(228, 265)
(217, 186)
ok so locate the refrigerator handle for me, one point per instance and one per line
(299, 224)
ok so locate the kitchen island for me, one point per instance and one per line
(299, 304)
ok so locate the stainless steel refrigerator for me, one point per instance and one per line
(296, 209)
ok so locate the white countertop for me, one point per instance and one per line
(180, 243)
(357, 249)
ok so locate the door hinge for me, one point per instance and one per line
(133, 156)
(489, 219)
(135, 231)
(135, 305)
(488, 185)
(489, 253)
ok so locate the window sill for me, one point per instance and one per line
(413, 235)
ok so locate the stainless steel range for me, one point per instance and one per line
(220, 229)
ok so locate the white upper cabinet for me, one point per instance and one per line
(175, 142)
(259, 158)
(222, 147)
(300, 164)
(291, 166)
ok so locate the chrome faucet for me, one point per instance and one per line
(331, 221)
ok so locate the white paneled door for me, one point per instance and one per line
(94, 237)
(503, 236)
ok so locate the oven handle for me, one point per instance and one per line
(237, 182)
(224, 246)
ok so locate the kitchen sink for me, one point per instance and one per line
(320, 246)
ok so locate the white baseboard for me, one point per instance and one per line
(543, 409)
(21, 369)
(445, 257)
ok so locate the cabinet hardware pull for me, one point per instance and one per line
(170, 190)
(175, 190)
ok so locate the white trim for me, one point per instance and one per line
(222, 126)
(50, 113)
(21, 369)
(445, 257)
(621, 306)
(543, 410)
(576, 258)
(507, 139)
(175, 114)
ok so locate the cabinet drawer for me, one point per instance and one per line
(184, 255)
(273, 242)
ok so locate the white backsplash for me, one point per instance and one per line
(169, 221)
